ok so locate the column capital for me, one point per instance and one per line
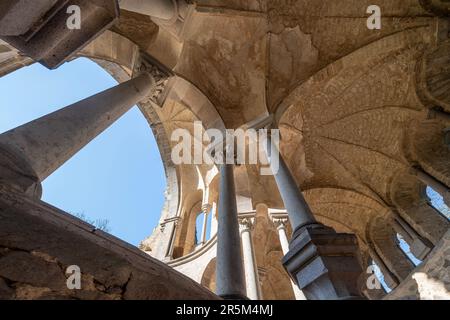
(206, 208)
(247, 223)
(279, 219)
(280, 223)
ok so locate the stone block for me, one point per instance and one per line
(324, 263)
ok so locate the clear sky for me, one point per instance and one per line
(119, 176)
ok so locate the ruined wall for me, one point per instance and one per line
(38, 242)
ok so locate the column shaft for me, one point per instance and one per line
(285, 247)
(323, 263)
(204, 227)
(283, 239)
(251, 270)
(298, 210)
(48, 142)
(230, 279)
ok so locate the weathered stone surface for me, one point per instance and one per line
(431, 280)
(6, 292)
(42, 242)
(352, 105)
(24, 267)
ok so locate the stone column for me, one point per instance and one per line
(300, 214)
(280, 224)
(246, 225)
(205, 209)
(322, 262)
(230, 279)
(47, 143)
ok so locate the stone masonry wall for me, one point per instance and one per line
(38, 242)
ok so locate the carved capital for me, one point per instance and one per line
(159, 75)
(175, 220)
(206, 208)
(280, 223)
(246, 223)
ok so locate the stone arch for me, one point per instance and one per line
(365, 58)
(382, 237)
(209, 276)
(425, 146)
(185, 239)
(330, 141)
(408, 195)
(345, 210)
(432, 77)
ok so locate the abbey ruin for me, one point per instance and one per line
(358, 90)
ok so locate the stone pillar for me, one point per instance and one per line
(205, 209)
(246, 225)
(300, 214)
(280, 224)
(47, 143)
(230, 279)
(322, 262)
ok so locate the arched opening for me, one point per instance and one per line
(380, 277)
(437, 202)
(117, 180)
(406, 249)
(202, 224)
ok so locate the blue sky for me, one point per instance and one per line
(119, 176)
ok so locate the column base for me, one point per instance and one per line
(324, 263)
